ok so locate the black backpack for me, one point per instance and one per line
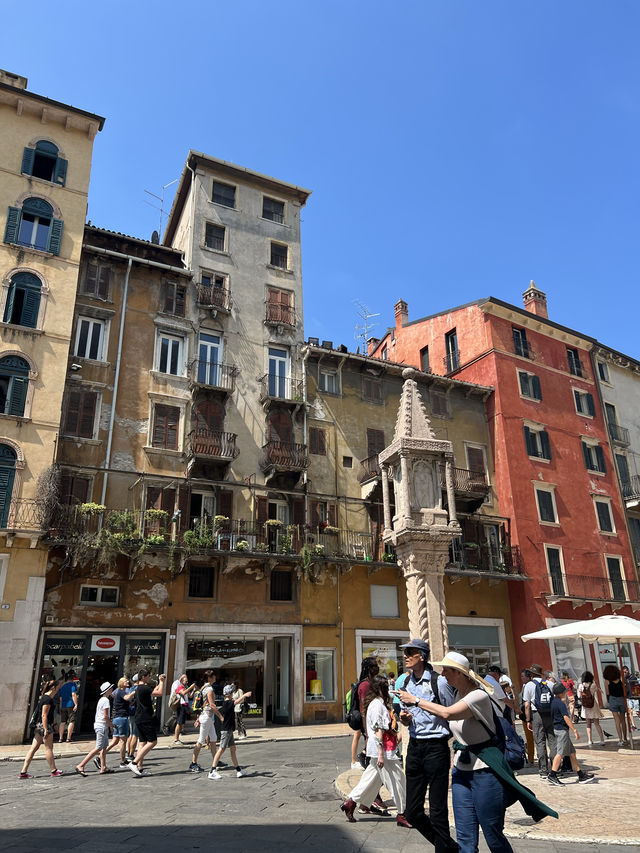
(544, 695)
(354, 717)
(434, 684)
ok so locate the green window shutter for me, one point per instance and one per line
(7, 476)
(524, 383)
(531, 451)
(590, 405)
(17, 396)
(586, 455)
(60, 173)
(546, 445)
(55, 236)
(600, 458)
(30, 308)
(13, 223)
(8, 308)
(536, 387)
(28, 157)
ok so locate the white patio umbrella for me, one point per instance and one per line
(604, 629)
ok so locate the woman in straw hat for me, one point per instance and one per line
(483, 784)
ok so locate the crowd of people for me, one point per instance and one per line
(126, 718)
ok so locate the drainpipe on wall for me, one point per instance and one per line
(305, 356)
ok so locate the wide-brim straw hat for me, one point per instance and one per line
(457, 661)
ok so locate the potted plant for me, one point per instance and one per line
(333, 531)
(242, 545)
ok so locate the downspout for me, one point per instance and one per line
(305, 356)
(112, 416)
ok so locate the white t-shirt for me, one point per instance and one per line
(207, 711)
(175, 685)
(103, 702)
(378, 717)
(498, 693)
(470, 731)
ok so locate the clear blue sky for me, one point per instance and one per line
(455, 149)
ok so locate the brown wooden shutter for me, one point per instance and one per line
(103, 282)
(332, 515)
(166, 420)
(168, 502)
(87, 414)
(476, 459)
(315, 513)
(153, 498)
(279, 427)
(375, 441)
(297, 511)
(262, 511)
(208, 415)
(225, 503)
(72, 410)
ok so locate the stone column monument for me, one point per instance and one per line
(421, 528)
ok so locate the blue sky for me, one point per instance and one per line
(455, 149)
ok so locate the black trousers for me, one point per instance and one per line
(428, 762)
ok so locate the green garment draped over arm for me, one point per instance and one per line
(496, 761)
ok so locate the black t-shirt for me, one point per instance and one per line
(120, 707)
(48, 702)
(558, 712)
(144, 704)
(228, 712)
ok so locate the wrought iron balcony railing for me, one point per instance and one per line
(451, 361)
(595, 588)
(212, 374)
(369, 469)
(277, 313)
(464, 480)
(481, 557)
(618, 433)
(24, 515)
(631, 488)
(210, 296)
(212, 443)
(285, 455)
(278, 387)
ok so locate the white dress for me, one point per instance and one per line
(390, 774)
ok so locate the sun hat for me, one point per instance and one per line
(228, 688)
(106, 685)
(535, 668)
(457, 661)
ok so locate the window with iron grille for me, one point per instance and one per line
(174, 298)
(224, 194)
(273, 209)
(201, 581)
(317, 441)
(281, 586)
(279, 256)
(166, 423)
(214, 237)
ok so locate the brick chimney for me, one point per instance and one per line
(535, 301)
(402, 313)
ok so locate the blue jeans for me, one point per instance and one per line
(479, 800)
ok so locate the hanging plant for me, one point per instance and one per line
(91, 509)
(273, 522)
(332, 530)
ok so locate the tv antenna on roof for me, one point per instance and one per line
(363, 330)
(161, 200)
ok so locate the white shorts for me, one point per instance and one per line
(207, 729)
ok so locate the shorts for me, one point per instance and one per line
(227, 739)
(181, 715)
(147, 731)
(121, 726)
(102, 737)
(564, 745)
(617, 704)
(67, 715)
(207, 729)
(133, 728)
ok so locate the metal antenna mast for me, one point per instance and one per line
(161, 200)
(364, 329)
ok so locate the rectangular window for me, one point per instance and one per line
(616, 578)
(584, 403)
(384, 602)
(546, 505)
(90, 338)
(554, 564)
(96, 281)
(385, 353)
(273, 209)
(604, 516)
(101, 595)
(573, 358)
(537, 443)
(603, 371)
(201, 581)
(166, 423)
(317, 441)
(347, 461)
(281, 585)
(439, 404)
(174, 298)
(320, 675)
(279, 256)
(328, 381)
(74, 489)
(169, 357)
(280, 306)
(80, 413)
(529, 385)
(375, 441)
(593, 457)
(520, 342)
(424, 360)
(371, 389)
(223, 194)
(452, 358)
(214, 237)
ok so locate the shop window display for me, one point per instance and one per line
(320, 675)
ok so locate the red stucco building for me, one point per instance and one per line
(554, 474)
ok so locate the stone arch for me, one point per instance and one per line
(57, 213)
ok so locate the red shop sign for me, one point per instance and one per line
(104, 642)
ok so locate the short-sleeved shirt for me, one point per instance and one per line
(529, 692)
(498, 693)
(558, 713)
(144, 704)
(237, 699)
(66, 694)
(120, 707)
(470, 731)
(378, 718)
(228, 712)
(424, 724)
(207, 711)
(569, 686)
(47, 702)
(103, 704)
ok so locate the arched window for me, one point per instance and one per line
(34, 226)
(44, 162)
(7, 476)
(23, 300)
(14, 382)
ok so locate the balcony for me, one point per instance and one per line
(619, 434)
(212, 444)
(218, 298)
(212, 375)
(580, 589)
(282, 389)
(24, 515)
(481, 557)
(284, 455)
(631, 490)
(280, 315)
(451, 361)
(471, 487)
(369, 469)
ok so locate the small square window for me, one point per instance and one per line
(224, 194)
(279, 256)
(384, 602)
(347, 461)
(584, 403)
(273, 209)
(214, 237)
(106, 596)
(529, 385)
(328, 381)
(201, 581)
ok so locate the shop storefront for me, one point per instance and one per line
(263, 659)
(483, 641)
(384, 646)
(96, 657)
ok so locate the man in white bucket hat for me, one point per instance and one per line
(103, 727)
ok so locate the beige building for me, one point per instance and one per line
(45, 159)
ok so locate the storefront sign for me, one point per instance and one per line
(64, 645)
(253, 710)
(105, 643)
(146, 646)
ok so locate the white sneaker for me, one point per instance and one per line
(135, 769)
(355, 765)
(240, 773)
(213, 774)
(601, 743)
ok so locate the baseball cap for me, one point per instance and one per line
(416, 643)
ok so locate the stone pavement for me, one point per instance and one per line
(288, 800)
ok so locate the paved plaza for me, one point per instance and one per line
(289, 800)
